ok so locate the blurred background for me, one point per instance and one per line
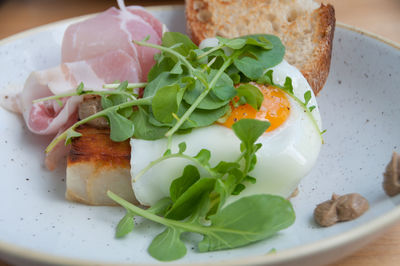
(378, 16)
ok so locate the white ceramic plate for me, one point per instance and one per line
(360, 110)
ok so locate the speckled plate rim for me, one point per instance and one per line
(368, 229)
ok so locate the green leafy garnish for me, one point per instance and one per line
(234, 226)
(197, 204)
(180, 185)
(126, 225)
(188, 87)
(251, 94)
(168, 245)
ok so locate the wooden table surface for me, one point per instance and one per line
(378, 16)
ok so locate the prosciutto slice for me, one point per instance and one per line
(59, 152)
(110, 30)
(95, 51)
(149, 18)
(49, 116)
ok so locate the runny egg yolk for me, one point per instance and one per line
(275, 108)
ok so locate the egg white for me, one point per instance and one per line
(287, 154)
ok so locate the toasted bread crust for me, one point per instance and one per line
(96, 164)
(196, 29)
(208, 18)
(316, 70)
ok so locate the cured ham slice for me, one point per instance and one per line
(149, 18)
(110, 30)
(95, 51)
(49, 116)
(59, 152)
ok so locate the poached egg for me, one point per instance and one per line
(290, 146)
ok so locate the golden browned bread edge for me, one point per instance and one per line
(315, 71)
(317, 68)
(195, 28)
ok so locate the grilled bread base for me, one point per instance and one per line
(96, 164)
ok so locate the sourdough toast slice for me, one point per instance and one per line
(96, 164)
(305, 28)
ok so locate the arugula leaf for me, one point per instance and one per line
(203, 156)
(222, 191)
(250, 67)
(226, 167)
(288, 85)
(307, 97)
(249, 130)
(117, 99)
(80, 89)
(235, 78)
(224, 89)
(182, 147)
(250, 179)
(122, 86)
(261, 41)
(162, 66)
(166, 102)
(252, 94)
(162, 80)
(71, 134)
(268, 58)
(177, 69)
(143, 129)
(266, 78)
(172, 38)
(126, 225)
(202, 118)
(188, 201)
(194, 89)
(236, 43)
(199, 118)
(190, 176)
(239, 188)
(238, 225)
(168, 245)
(121, 128)
(161, 207)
